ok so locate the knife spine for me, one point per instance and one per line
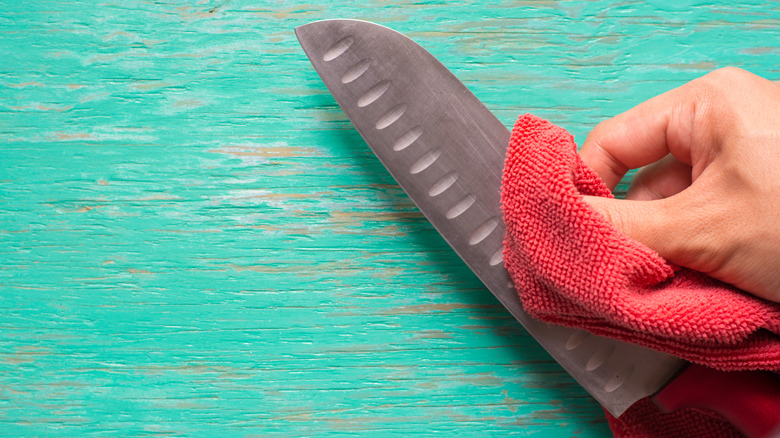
(371, 101)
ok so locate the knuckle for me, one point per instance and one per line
(730, 72)
(725, 76)
(712, 82)
(722, 82)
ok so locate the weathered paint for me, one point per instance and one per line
(195, 241)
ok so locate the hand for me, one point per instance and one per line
(709, 198)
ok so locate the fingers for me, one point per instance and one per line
(642, 135)
(703, 199)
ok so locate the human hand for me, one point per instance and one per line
(709, 198)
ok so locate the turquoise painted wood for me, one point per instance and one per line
(194, 241)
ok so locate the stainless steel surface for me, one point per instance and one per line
(446, 150)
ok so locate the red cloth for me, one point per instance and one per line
(572, 267)
(644, 420)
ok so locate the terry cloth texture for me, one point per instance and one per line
(573, 267)
(644, 420)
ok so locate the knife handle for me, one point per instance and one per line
(749, 400)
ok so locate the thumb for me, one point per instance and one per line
(649, 222)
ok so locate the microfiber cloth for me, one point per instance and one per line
(573, 267)
(644, 420)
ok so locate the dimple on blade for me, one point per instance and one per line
(446, 150)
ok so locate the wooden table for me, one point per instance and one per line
(196, 242)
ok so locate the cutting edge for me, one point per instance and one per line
(334, 49)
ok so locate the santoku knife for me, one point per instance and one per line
(447, 151)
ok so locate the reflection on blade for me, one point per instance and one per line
(446, 150)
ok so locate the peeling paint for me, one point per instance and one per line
(196, 241)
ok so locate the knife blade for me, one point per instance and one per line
(447, 150)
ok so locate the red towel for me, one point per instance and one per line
(572, 267)
(644, 420)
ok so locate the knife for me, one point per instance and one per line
(447, 151)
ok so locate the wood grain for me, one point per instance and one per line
(194, 241)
